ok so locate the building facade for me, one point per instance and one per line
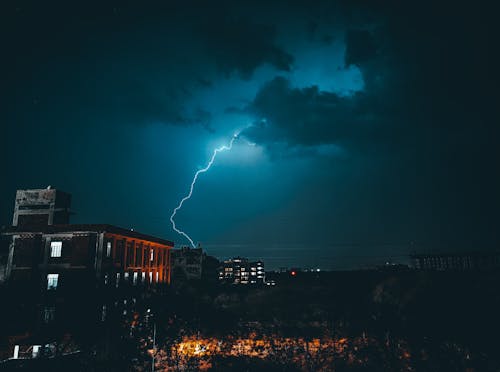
(64, 272)
(241, 271)
(187, 263)
(457, 261)
(44, 247)
(101, 254)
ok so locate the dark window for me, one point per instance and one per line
(34, 206)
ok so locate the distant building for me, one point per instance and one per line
(457, 261)
(392, 267)
(187, 263)
(242, 271)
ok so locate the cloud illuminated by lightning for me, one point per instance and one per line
(195, 178)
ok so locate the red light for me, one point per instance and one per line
(293, 273)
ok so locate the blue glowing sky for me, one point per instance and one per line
(373, 126)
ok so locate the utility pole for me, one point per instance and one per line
(154, 347)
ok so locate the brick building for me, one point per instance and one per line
(63, 276)
(96, 253)
(48, 252)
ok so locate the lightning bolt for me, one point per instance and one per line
(195, 178)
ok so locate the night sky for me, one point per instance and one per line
(375, 127)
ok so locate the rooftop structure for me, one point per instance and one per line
(41, 207)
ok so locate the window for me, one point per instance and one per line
(52, 280)
(55, 249)
(151, 277)
(136, 274)
(152, 255)
(157, 275)
(49, 314)
(103, 313)
(143, 276)
(125, 276)
(36, 351)
(117, 279)
(108, 249)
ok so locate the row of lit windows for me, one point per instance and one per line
(135, 277)
(53, 279)
(109, 247)
(56, 250)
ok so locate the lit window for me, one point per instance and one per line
(117, 279)
(152, 255)
(126, 275)
(151, 277)
(108, 249)
(134, 280)
(36, 351)
(52, 280)
(143, 276)
(157, 275)
(55, 249)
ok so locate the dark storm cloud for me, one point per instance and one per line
(308, 116)
(240, 45)
(129, 63)
(135, 102)
(360, 47)
(424, 81)
(304, 116)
